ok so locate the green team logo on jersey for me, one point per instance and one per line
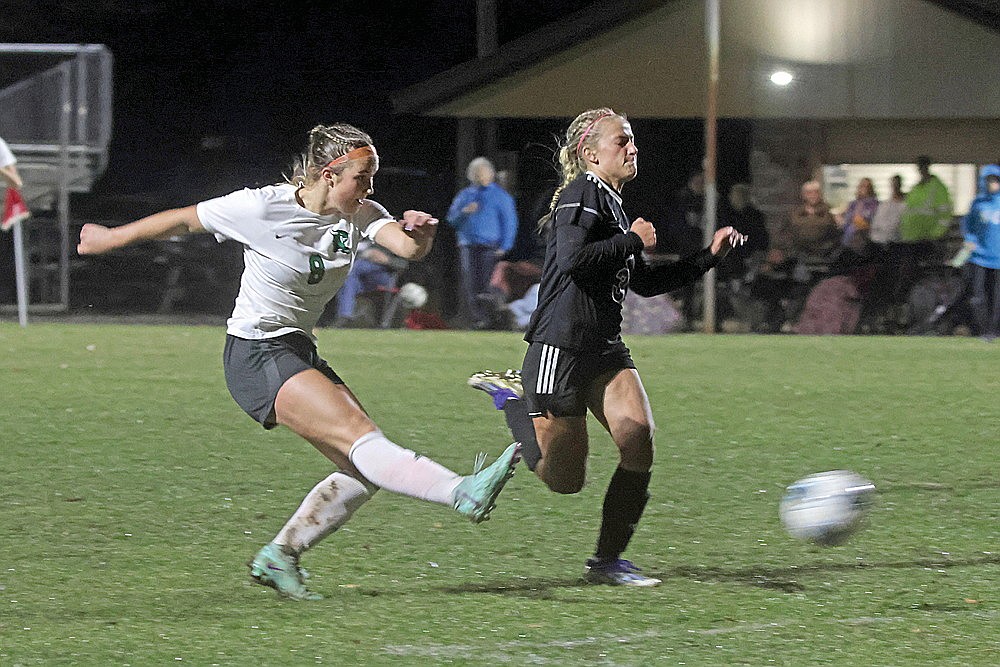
(341, 241)
(341, 244)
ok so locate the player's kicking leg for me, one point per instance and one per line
(475, 496)
(334, 500)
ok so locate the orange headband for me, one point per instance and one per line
(590, 127)
(359, 152)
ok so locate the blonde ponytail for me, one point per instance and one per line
(582, 132)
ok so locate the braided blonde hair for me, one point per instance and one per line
(582, 132)
(326, 143)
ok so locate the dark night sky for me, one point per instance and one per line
(259, 78)
(254, 80)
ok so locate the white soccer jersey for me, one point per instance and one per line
(295, 260)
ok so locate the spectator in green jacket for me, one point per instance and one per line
(925, 220)
(927, 214)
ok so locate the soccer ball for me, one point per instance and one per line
(827, 507)
(413, 295)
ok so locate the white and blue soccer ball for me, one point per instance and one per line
(827, 507)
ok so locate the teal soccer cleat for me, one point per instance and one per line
(278, 569)
(476, 495)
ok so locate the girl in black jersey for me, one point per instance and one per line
(576, 360)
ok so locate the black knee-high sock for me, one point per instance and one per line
(523, 430)
(624, 503)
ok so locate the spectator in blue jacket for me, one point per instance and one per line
(485, 221)
(981, 229)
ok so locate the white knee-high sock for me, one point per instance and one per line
(391, 467)
(325, 509)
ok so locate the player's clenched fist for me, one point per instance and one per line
(646, 232)
(94, 239)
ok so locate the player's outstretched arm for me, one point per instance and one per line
(652, 281)
(98, 239)
(411, 238)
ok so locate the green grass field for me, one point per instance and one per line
(133, 490)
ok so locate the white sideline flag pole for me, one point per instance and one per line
(711, 153)
(20, 275)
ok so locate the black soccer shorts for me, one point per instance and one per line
(557, 380)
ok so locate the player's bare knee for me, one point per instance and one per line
(634, 435)
(565, 486)
(561, 483)
(635, 443)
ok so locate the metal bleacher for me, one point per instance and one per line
(55, 113)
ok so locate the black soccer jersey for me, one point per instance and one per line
(591, 260)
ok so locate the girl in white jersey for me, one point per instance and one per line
(299, 243)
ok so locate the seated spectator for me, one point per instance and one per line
(651, 316)
(833, 305)
(811, 232)
(858, 216)
(510, 294)
(807, 241)
(374, 268)
(521, 309)
(510, 280)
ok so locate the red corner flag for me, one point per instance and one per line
(14, 209)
